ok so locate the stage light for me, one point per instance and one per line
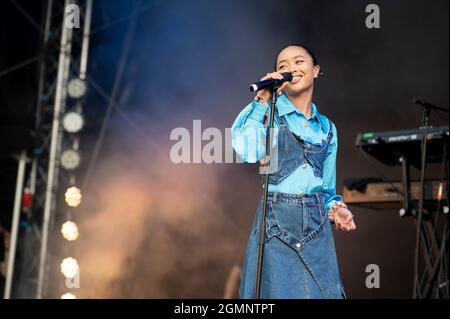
(76, 88)
(68, 296)
(70, 159)
(70, 230)
(69, 267)
(73, 196)
(73, 122)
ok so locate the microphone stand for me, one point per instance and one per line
(267, 162)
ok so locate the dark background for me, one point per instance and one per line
(151, 228)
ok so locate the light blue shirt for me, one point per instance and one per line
(249, 136)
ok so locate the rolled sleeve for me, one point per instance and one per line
(249, 132)
(329, 173)
(258, 111)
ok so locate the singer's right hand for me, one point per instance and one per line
(266, 94)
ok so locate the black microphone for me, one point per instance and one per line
(271, 83)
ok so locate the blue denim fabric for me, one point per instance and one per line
(293, 152)
(249, 135)
(299, 258)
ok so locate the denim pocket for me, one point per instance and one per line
(288, 218)
(312, 218)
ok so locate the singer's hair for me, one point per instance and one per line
(311, 53)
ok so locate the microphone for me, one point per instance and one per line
(270, 83)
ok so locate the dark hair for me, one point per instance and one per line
(313, 56)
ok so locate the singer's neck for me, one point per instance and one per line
(302, 102)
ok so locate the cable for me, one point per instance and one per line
(130, 121)
(386, 179)
(129, 16)
(438, 114)
(119, 72)
(425, 240)
(20, 65)
(30, 19)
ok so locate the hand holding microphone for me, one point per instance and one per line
(274, 80)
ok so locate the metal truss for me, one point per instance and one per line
(64, 57)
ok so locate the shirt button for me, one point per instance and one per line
(306, 124)
(304, 166)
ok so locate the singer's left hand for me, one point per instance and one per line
(343, 219)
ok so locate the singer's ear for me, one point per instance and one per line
(317, 71)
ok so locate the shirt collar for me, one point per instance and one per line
(285, 106)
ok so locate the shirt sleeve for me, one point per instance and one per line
(249, 132)
(329, 172)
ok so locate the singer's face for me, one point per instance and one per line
(297, 60)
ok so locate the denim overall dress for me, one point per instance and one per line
(299, 258)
